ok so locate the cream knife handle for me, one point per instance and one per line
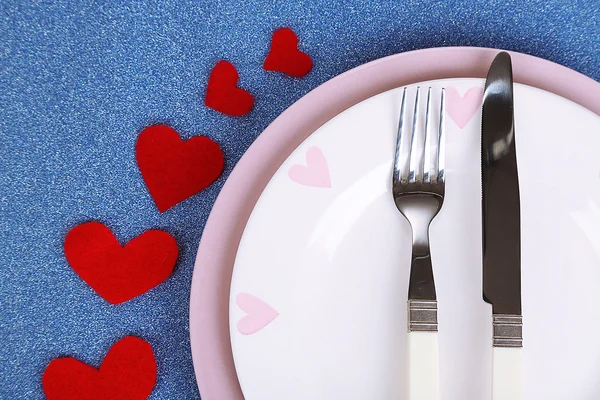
(507, 353)
(507, 376)
(423, 382)
(423, 375)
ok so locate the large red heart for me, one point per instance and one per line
(120, 273)
(173, 169)
(284, 55)
(128, 372)
(222, 93)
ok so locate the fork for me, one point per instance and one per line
(418, 191)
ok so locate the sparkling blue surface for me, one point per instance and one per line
(80, 80)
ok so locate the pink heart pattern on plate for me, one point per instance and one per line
(260, 314)
(462, 108)
(314, 173)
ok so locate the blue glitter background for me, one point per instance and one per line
(80, 80)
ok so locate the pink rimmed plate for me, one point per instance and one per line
(209, 310)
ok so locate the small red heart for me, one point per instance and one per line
(222, 93)
(120, 273)
(128, 372)
(173, 169)
(284, 55)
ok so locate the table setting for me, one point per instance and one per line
(303, 201)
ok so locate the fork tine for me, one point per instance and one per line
(427, 155)
(433, 150)
(442, 139)
(402, 154)
(415, 174)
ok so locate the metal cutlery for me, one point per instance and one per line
(418, 191)
(501, 229)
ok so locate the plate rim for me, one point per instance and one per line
(209, 296)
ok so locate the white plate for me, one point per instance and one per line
(324, 270)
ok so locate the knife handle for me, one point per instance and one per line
(507, 375)
(423, 376)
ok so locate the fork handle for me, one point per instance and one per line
(424, 383)
(507, 375)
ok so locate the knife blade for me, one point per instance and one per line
(500, 193)
(501, 234)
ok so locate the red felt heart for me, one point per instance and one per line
(222, 93)
(128, 372)
(173, 169)
(120, 273)
(284, 55)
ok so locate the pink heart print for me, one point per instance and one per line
(260, 314)
(462, 108)
(314, 173)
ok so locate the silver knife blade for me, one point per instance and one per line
(500, 195)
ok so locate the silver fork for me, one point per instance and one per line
(418, 190)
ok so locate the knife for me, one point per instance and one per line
(501, 229)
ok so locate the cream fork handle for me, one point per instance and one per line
(424, 382)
